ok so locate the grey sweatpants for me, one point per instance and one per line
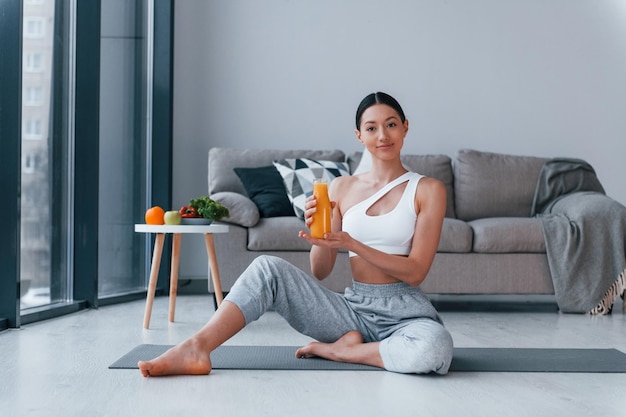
(411, 334)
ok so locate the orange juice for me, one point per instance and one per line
(321, 218)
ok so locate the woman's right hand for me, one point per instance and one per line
(310, 207)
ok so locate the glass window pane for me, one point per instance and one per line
(123, 138)
(43, 267)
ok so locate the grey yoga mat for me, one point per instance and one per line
(465, 359)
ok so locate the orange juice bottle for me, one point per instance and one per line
(321, 218)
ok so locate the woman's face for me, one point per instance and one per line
(382, 131)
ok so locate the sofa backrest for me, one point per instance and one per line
(434, 166)
(222, 161)
(494, 185)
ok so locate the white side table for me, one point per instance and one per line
(176, 231)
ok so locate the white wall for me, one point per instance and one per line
(527, 77)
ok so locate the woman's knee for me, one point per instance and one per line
(270, 273)
(266, 261)
(263, 266)
(258, 276)
(256, 289)
(419, 349)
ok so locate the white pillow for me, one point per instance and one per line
(365, 164)
(299, 173)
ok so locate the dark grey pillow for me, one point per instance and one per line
(265, 187)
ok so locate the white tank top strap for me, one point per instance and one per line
(380, 193)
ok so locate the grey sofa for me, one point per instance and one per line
(489, 243)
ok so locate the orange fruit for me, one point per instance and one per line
(155, 215)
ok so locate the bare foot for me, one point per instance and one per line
(348, 348)
(188, 358)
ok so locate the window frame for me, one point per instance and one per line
(10, 161)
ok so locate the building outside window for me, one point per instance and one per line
(33, 96)
(37, 180)
(34, 27)
(33, 62)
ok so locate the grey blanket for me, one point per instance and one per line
(584, 232)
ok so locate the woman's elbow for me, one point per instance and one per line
(416, 277)
(414, 281)
(321, 263)
(320, 270)
(319, 273)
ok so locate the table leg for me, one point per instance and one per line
(174, 274)
(154, 274)
(215, 274)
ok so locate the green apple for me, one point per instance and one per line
(172, 217)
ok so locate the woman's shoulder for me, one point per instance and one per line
(431, 184)
(346, 186)
(343, 182)
(430, 192)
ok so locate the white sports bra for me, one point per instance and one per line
(391, 232)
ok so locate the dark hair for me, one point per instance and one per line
(378, 98)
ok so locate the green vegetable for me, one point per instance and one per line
(209, 208)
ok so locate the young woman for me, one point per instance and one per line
(390, 221)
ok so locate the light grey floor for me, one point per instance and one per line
(59, 368)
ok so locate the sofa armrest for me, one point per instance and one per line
(242, 210)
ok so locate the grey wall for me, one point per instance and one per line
(528, 77)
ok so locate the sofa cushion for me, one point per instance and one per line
(221, 162)
(508, 235)
(494, 185)
(299, 174)
(438, 167)
(456, 237)
(277, 233)
(265, 187)
(242, 210)
(281, 234)
(434, 166)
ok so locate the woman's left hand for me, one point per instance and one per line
(331, 240)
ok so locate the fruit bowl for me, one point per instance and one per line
(196, 221)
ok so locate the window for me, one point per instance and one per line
(45, 239)
(34, 27)
(30, 163)
(33, 62)
(32, 129)
(123, 138)
(33, 96)
(53, 89)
